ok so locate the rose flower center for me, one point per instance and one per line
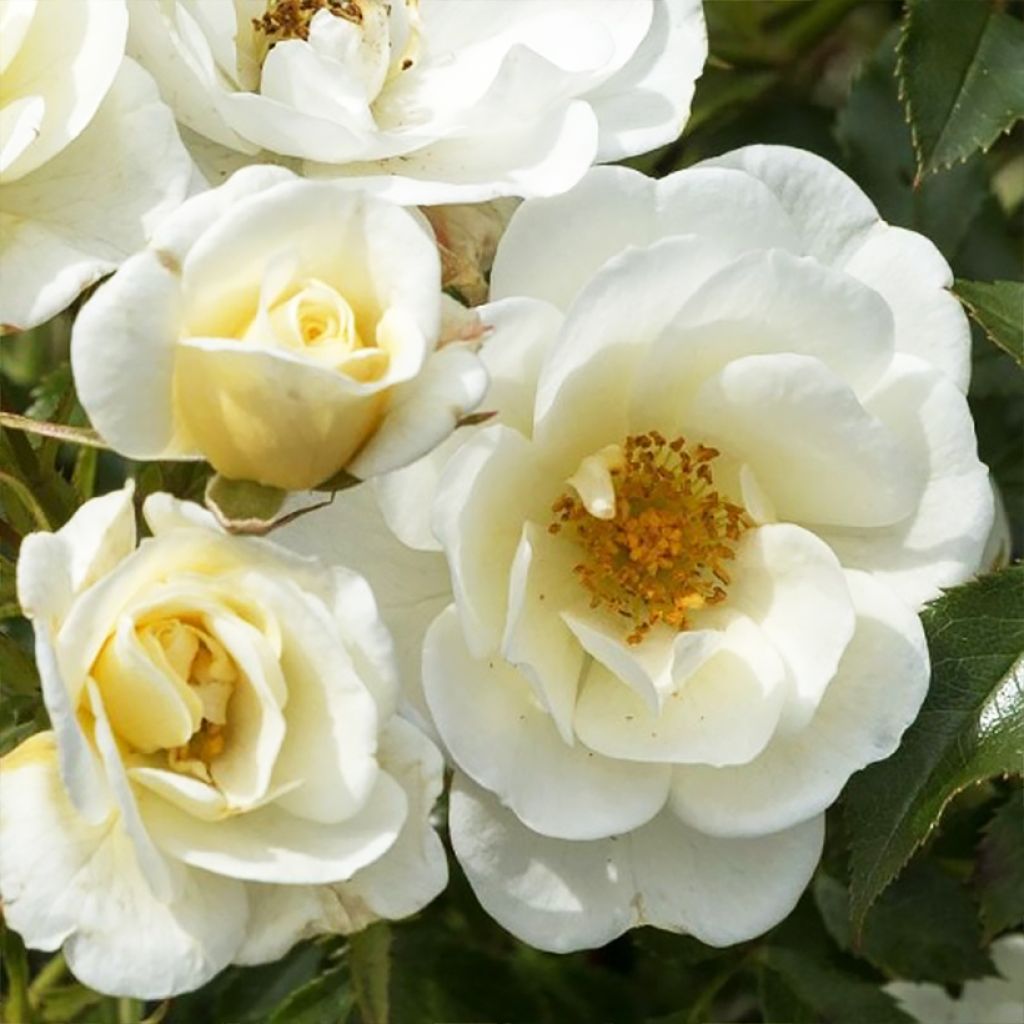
(210, 672)
(167, 684)
(658, 550)
(289, 19)
(389, 31)
(314, 319)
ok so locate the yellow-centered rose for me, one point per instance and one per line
(282, 329)
(225, 774)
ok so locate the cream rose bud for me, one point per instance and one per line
(428, 101)
(226, 773)
(280, 328)
(733, 457)
(90, 159)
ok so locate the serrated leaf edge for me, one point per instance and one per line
(972, 310)
(924, 170)
(986, 832)
(858, 914)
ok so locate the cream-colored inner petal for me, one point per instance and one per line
(191, 684)
(312, 319)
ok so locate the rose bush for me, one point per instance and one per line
(280, 328)
(733, 457)
(432, 101)
(69, 141)
(225, 773)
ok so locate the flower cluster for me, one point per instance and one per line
(647, 533)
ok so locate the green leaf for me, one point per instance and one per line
(327, 999)
(827, 992)
(961, 72)
(17, 667)
(587, 987)
(996, 398)
(779, 1003)
(50, 394)
(83, 477)
(999, 869)
(970, 728)
(442, 972)
(28, 356)
(185, 480)
(998, 307)
(770, 32)
(242, 506)
(250, 995)
(924, 926)
(16, 1006)
(879, 156)
(803, 977)
(65, 1003)
(37, 496)
(9, 607)
(12, 736)
(722, 93)
(21, 710)
(21, 493)
(369, 956)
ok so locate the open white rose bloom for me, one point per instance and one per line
(79, 124)
(732, 459)
(429, 101)
(225, 773)
(988, 1001)
(282, 329)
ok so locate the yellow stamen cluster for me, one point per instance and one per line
(203, 663)
(289, 19)
(204, 745)
(663, 554)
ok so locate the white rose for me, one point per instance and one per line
(280, 328)
(734, 456)
(90, 159)
(225, 773)
(988, 1001)
(429, 100)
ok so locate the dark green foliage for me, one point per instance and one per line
(924, 927)
(999, 869)
(999, 309)
(960, 76)
(970, 728)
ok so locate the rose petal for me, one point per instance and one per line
(496, 732)
(71, 883)
(560, 895)
(874, 695)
